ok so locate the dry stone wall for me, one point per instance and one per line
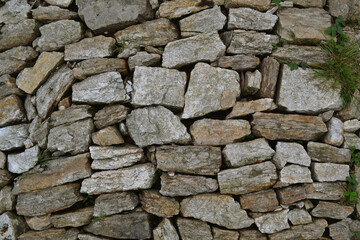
(151, 119)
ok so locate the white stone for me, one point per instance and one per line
(330, 172)
(335, 134)
(290, 152)
(295, 174)
(22, 162)
(273, 222)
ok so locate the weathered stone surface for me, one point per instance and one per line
(247, 179)
(215, 208)
(51, 92)
(340, 8)
(251, 235)
(39, 223)
(13, 137)
(11, 226)
(132, 225)
(351, 140)
(295, 174)
(321, 152)
(263, 201)
(273, 222)
(178, 8)
(191, 229)
(83, 236)
(14, 11)
(12, 110)
(95, 47)
(71, 138)
(291, 194)
(221, 234)
(18, 34)
(77, 218)
(204, 21)
(60, 3)
(53, 233)
(7, 199)
(250, 85)
(22, 162)
(331, 210)
(269, 71)
(112, 15)
(303, 26)
(153, 202)
(110, 115)
(345, 229)
(186, 185)
(249, 42)
(299, 216)
(290, 152)
(330, 172)
(335, 133)
(52, 13)
(325, 191)
(310, 55)
(219, 132)
(70, 115)
(144, 59)
(8, 86)
(261, 5)
(5, 177)
(202, 47)
(241, 154)
(95, 66)
(56, 35)
(249, 19)
(141, 176)
(49, 200)
(351, 110)
(245, 108)
(201, 160)
(158, 86)
(2, 160)
(156, 125)
(30, 109)
(108, 204)
(165, 230)
(275, 126)
(310, 3)
(107, 136)
(102, 88)
(351, 125)
(31, 78)
(238, 62)
(39, 133)
(15, 59)
(300, 92)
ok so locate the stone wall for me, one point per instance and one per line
(149, 119)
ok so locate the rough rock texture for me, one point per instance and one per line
(299, 216)
(250, 85)
(262, 201)
(249, 19)
(193, 229)
(245, 108)
(295, 174)
(331, 210)
(11, 226)
(260, 5)
(70, 115)
(5, 177)
(12, 110)
(237, 62)
(15, 59)
(39, 223)
(14, 11)
(108, 204)
(290, 153)
(110, 115)
(330, 172)
(291, 194)
(345, 229)
(153, 202)
(7, 199)
(52, 13)
(13, 137)
(144, 59)
(22, 162)
(321, 152)
(335, 133)
(220, 233)
(269, 71)
(351, 125)
(309, 3)
(351, 140)
(273, 222)
(165, 230)
(107, 136)
(325, 191)
(77, 218)
(178, 8)
(52, 233)
(252, 235)
(60, 3)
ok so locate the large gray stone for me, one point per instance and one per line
(299, 216)
(70, 115)
(23, 162)
(321, 152)
(108, 204)
(77, 218)
(273, 222)
(293, 174)
(11, 226)
(249, 19)
(13, 137)
(192, 229)
(287, 152)
(14, 11)
(15, 59)
(351, 125)
(325, 191)
(165, 230)
(345, 229)
(331, 210)
(329, 172)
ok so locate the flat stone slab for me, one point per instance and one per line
(113, 203)
(144, 59)
(260, 5)
(291, 194)
(299, 216)
(52, 14)
(293, 174)
(325, 153)
(13, 137)
(250, 19)
(77, 218)
(51, 233)
(329, 172)
(70, 115)
(245, 108)
(331, 210)
(153, 202)
(110, 115)
(178, 8)
(333, 191)
(262, 201)
(237, 62)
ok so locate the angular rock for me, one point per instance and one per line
(70, 115)
(71, 138)
(249, 19)
(325, 191)
(22, 162)
(153, 202)
(156, 125)
(219, 132)
(202, 47)
(158, 86)
(351, 110)
(303, 26)
(204, 21)
(39, 134)
(351, 140)
(275, 126)
(201, 160)
(12, 110)
(311, 3)
(141, 176)
(263, 201)
(5, 177)
(77, 218)
(165, 230)
(51, 92)
(331, 210)
(60, 3)
(53, 233)
(14, 11)
(291, 194)
(111, 15)
(269, 71)
(249, 42)
(39, 223)
(108, 204)
(247, 179)
(186, 185)
(295, 174)
(217, 209)
(321, 152)
(340, 8)
(56, 35)
(246, 153)
(335, 133)
(107, 136)
(260, 5)
(238, 62)
(351, 125)
(8, 86)
(11, 226)
(7, 199)
(95, 66)
(52, 13)
(273, 222)
(345, 229)
(15, 59)
(132, 225)
(221, 234)
(110, 115)
(49, 200)
(144, 59)
(31, 78)
(13, 137)
(299, 216)
(191, 229)
(252, 235)
(329, 172)
(251, 83)
(245, 108)
(287, 152)
(2, 160)
(179, 8)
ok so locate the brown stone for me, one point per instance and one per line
(109, 204)
(245, 108)
(153, 202)
(16, 59)
(332, 210)
(269, 71)
(275, 126)
(53, 234)
(321, 152)
(178, 8)
(263, 201)
(52, 13)
(192, 229)
(261, 5)
(252, 235)
(77, 218)
(5, 177)
(238, 62)
(39, 223)
(107, 136)
(222, 234)
(64, 103)
(110, 115)
(291, 194)
(325, 191)
(11, 110)
(8, 86)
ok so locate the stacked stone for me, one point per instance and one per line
(150, 119)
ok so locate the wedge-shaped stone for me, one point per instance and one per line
(269, 72)
(106, 158)
(110, 115)
(238, 62)
(321, 152)
(275, 126)
(303, 26)
(250, 42)
(95, 47)
(157, 32)
(108, 204)
(186, 185)
(300, 92)
(222, 234)
(52, 13)
(261, 5)
(131, 225)
(178, 8)
(249, 19)
(219, 132)
(299, 216)
(165, 230)
(263, 201)
(24, 161)
(218, 209)
(14, 11)
(51, 92)
(13, 137)
(193, 229)
(189, 159)
(54, 173)
(273, 222)
(70, 115)
(156, 125)
(153, 202)
(144, 59)
(53, 233)
(331, 210)
(141, 176)
(329, 172)
(158, 86)
(49, 200)
(295, 174)
(241, 154)
(77, 218)
(325, 191)
(247, 179)
(12, 226)
(107, 136)
(204, 21)
(102, 88)
(210, 89)
(15, 59)
(245, 108)
(291, 194)
(11, 110)
(202, 47)
(287, 152)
